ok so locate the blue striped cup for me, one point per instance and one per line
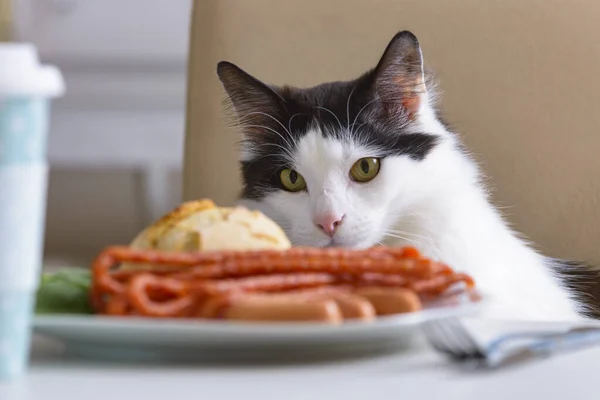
(26, 88)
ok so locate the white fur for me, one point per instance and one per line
(437, 205)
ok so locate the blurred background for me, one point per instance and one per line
(116, 137)
(116, 140)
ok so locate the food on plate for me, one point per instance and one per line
(326, 304)
(66, 291)
(202, 226)
(205, 262)
(281, 307)
(298, 284)
(390, 300)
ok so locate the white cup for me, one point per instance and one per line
(26, 87)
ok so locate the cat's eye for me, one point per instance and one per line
(291, 180)
(365, 169)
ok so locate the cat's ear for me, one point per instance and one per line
(399, 75)
(256, 104)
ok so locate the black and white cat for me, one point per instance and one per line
(368, 161)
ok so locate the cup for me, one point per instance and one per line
(26, 88)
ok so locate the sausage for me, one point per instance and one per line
(350, 305)
(388, 301)
(217, 306)
(299, 305)
(143, 285)
(218, 284)
(282, 308)
(353, 307)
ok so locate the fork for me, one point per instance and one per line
(452, 339)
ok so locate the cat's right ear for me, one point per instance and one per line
(257, 105)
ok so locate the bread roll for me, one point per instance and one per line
(202, 226)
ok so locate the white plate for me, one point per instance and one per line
(160, 339)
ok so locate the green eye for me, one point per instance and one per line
(291, 180)
(365, 169)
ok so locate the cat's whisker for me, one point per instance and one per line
(290, 121)
(281, 165)
(348, 109)
(360, 111)
(414, 239)
(359, 133)
(288, 131)
(270, 130)
(414, 242)
(416, 235)
(504, 207)
(270, 116)
(254, 160)
(278, 146)
(332, 113)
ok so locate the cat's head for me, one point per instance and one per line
(338, 163)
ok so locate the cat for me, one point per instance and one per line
(369, 161)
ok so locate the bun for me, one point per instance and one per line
(202, 226)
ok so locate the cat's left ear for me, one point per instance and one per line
(399, 75)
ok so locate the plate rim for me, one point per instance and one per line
(41, 323)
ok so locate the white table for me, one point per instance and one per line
(418, 374)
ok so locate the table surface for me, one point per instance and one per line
(418, 373)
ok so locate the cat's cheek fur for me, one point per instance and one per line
(293, 212)
(326, 163)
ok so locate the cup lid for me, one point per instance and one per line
(23, 74)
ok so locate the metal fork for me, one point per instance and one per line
(450, 338)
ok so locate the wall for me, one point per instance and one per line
(116, 138)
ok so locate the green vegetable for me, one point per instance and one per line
(64, 292)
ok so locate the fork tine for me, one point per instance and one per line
(438, 339)
(457, 336)
(432, 334)
(430, 331)
(451, 338)
(455, 339)
(467, 338)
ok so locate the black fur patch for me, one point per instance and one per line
(333, 109)
(583, 282)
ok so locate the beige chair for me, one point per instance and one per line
(521, 82)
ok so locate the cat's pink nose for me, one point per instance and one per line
(328, 223)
